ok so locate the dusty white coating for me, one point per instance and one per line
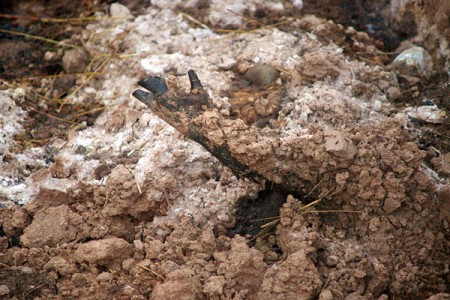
(165, 41)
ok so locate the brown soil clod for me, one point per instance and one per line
(341, 161)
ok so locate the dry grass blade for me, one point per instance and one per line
(234, 30)
(194, 20)
(267, 228)
(153, 272)
(271, 223)
(263, 219)
(62, 20)
(60, 75)
(88, 112)
(52, 116)
(314, 187)
(371, 61)
(99, 68)
(332, 211)
(135, 179)
(34, 289)
(35, 37)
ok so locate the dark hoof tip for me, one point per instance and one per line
(143, 96)
(156, 85)
(195, 82)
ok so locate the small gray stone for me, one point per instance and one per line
(429, 114)
(393, 93)
(4, 290)
(262, 74)
(414, 61)
(119, 10)
(75, 61)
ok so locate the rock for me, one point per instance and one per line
(336, 143)
(52, 56)
(125, 198)
(63, 84)
(227, 14)
(391, 204)
(4, 290)
(75, 61)
(440, 296)
(50, 227)
(428, 114)
(214, 286)
(105, 276)
(262, 74)
(180, 284)
(298, 4)
(355, 296)
(414, 61)
(393, 93)
(119, 10)
(60, 265)
(442, 164)
(226, 63)
(104, 252)
(128, 290)
(295, 278)
(443, 196)
(320, 65)
(243, 264)
(19, 219)
(326, 295)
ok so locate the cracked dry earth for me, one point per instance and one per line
(129, 207)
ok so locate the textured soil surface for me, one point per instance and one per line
(102, 199)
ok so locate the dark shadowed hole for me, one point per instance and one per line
(248, 211)
(365, 16)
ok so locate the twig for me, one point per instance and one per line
(194, 20)
(351, 69)
(314, 187)
(332, 211)
(371, 61)
(39, 38)
(51, 116)
(59, 75)
(135, 179)
(33, 289)
(153, 272)
(89, 112)
(61, 20)
(100, 67)
(5, 265)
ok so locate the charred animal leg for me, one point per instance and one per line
(293, 160)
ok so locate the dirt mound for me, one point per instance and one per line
(351, 192)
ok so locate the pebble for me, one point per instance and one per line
(4, 290)
(298, 4)
(262, 74)
(119, 10)
(429, 114)
(415, 61)
(128, 290)
(394, 93)
(226, 63)
(75, 61)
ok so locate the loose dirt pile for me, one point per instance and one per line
(116, 203)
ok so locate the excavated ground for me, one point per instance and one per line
(101, 199)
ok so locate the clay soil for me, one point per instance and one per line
(101, 199)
